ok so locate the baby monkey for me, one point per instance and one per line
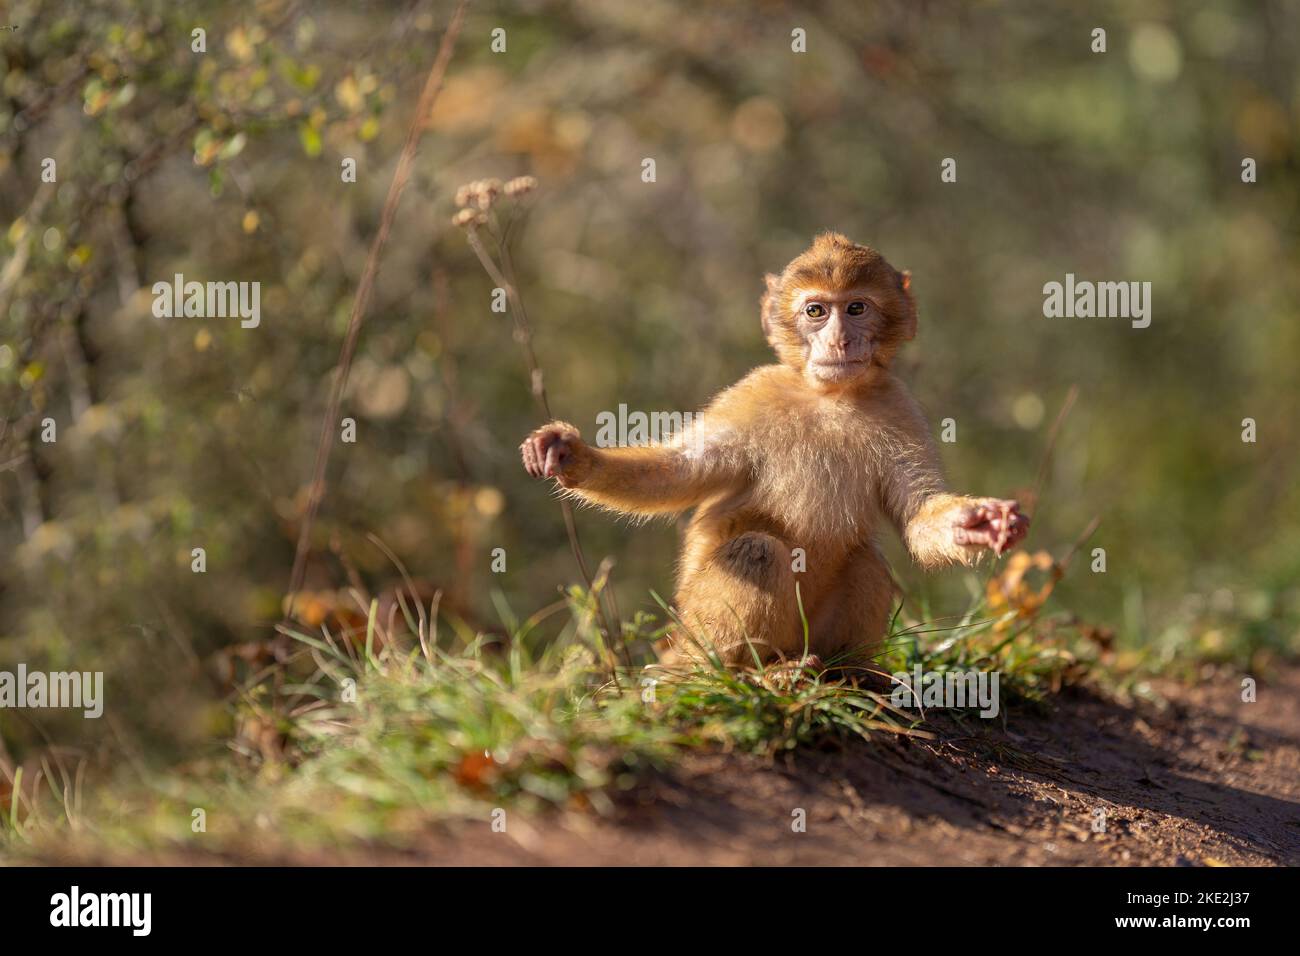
(792, 471)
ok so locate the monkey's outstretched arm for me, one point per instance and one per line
(641, 480)
(940, 528)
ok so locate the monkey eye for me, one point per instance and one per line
(857, 308)
(815, 311)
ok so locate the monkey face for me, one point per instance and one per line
(840, 331)
(838, 312)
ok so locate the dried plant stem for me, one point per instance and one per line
(1080, 541)
(1035, 496)
(504, 278)
(612, 615)
(329, 425)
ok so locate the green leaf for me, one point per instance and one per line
(233, 147)
(310, 137)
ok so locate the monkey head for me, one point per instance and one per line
(838, 312)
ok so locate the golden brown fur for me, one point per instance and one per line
(818, 452)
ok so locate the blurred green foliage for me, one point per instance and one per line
(225, 165)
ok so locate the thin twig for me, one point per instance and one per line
(1079, 542)
(423, 109)
(1052, 433)
(1034, 497)
(537, 385)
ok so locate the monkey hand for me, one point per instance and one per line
(557, 451)
(994, 523)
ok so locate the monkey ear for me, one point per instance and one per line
(909, 321)
(767, 302)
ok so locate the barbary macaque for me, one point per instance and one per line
(810, 453)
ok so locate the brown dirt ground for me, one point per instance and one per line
(1204, 780)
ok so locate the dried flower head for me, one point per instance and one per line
(488, 190)
(480, 193)
(521, 185)
(468, 217)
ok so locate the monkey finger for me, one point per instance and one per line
(1000, 524)
(540, 443)
(1015, 533)
(531, 463)
(555, 456)
(1015, 524)
(992, 508)
(977, 537)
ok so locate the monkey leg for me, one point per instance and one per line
(851, 620)
(743, 595)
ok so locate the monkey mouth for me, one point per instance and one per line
(840, 363)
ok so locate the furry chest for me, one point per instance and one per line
(829, 494)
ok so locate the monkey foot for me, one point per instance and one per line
(785, 674)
